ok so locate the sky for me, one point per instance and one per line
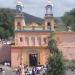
(37, 7)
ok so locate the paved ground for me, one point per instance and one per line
(9, 71)
(70, 72)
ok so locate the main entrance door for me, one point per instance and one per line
(33, 59)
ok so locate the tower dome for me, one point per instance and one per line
(49, 8)
(19, 3)
(50, 2)
(19, 6)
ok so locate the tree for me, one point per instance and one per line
(69, 19)
(1, 33)
(6, 23)
(56, 64)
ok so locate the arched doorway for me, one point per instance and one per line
(19, 26)
(33, 58)
(49, 25)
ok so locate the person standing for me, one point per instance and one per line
(3, 72)
(33, 72)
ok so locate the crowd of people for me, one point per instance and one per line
(32, 70)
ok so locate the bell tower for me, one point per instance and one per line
(49, 21)
(19, 18)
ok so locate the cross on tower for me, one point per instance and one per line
(50, 2)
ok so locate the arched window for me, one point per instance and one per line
(33, 40)
(21, 39)
(39, 40)
(19, 25)
(45, 40)
(27, 40)
(48, 9)
(49, 25)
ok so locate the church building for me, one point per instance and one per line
(31, 41)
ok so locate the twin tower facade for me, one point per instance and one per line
(31, 41)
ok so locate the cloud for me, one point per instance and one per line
(37, 7)
(61, 6)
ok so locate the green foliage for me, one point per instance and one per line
(6, 23)
(52, 43)
(61, 28)
(56, 64)
(69, 19)
(2, 32)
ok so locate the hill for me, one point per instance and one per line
(29, 19)
(59, 24)
(7, 22)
